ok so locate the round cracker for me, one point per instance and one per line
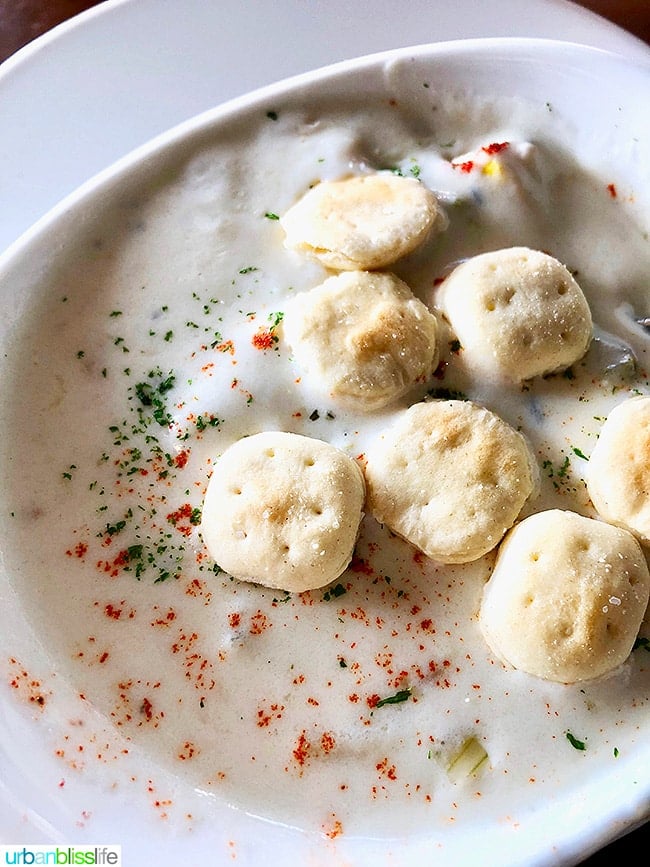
(450, 477)
(618, 472)
(517, 313)
(566, 598)
(283, 510)
(363, 337)
(362, 222)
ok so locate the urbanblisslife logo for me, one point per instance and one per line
(65, 855)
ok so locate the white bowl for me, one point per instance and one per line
(547, 803)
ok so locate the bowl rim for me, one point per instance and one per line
(623, 816)
(573, 53)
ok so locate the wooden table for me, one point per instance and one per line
(23, 20)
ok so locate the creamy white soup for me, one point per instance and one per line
(158, 343)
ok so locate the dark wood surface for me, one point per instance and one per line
(21, 21)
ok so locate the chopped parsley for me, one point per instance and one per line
(575, 743)
(398, 698)
(151, 394)
(446, 394)
(275, 319)
(336, 591)
(564, 468)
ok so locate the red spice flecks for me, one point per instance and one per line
(361, 566)
(113, 612)
(234, 619)
(302, 750)
(373, 700)
(28, 688)
(386, 770)
(259, 623)
(147, 709)
(198, 590)
(327, 742)
(163, 619)
(332, 829)
(188, 751)
(465, 167)
(441, 370)
(80, 550)
(495, 147)
(611, 189)
(426, 625)
(266, 715)
(384, 660)
(226, 346)
(197, 667)
(247, 394)
(122, 558)
(113, 567)
(104, 656)
(264, 339)
(184, 519)
(182, 458)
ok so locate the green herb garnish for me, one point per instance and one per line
(337, 590)
(575, 743)
(398, 698)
